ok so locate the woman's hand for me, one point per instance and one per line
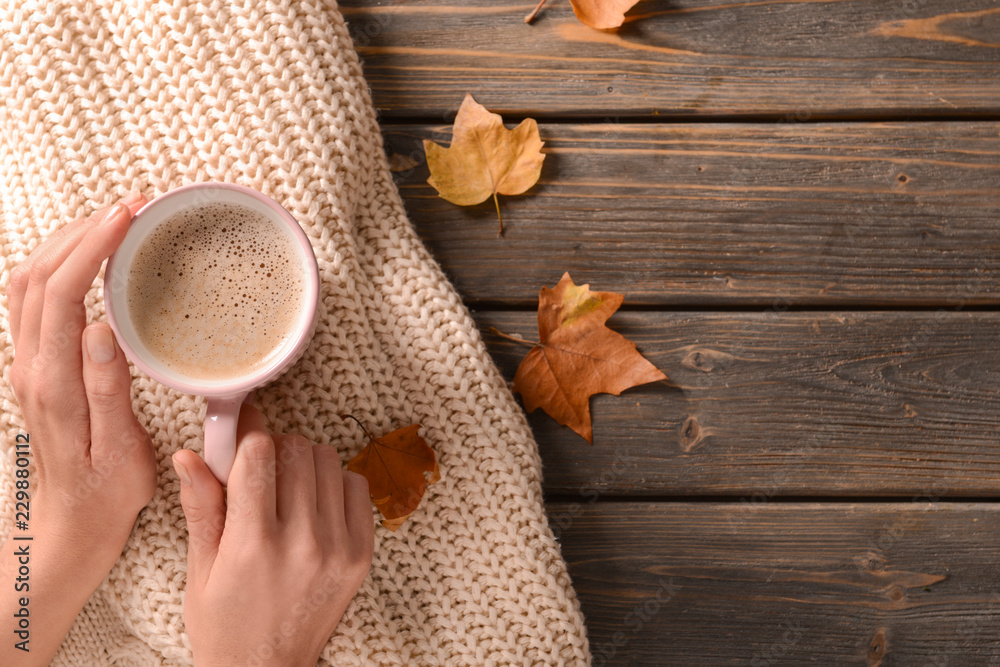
(95, 466)
(272, 566)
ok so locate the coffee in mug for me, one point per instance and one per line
(216, 290)
(213, 292)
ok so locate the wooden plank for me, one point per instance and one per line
(796, 403)
(799, 59)
(749, 215)
(786, 584)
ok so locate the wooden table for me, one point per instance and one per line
(801, 202)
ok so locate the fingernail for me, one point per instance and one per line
(100, 344)
(182, 472)
(131, 198)
(113, 214)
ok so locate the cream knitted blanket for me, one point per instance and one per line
(98, 98)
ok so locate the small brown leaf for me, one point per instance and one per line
(394, 466)
(485, 158)
(602, 14)
(578, 356)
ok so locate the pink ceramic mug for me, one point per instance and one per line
(224, 396)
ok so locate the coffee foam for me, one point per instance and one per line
(216, 290)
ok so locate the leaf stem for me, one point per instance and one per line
(497, 202)
(494, 330)
(534, 12)
(367, 434)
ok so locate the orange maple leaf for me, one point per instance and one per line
(578, 356)
(484, 158)
(394, 466)
(600, 14)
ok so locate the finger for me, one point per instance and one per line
(329, 488)
(358, 514)
(108, 384)
(134, 201)
(63, 313)
(296, 479)
(204, 506)
(54, 250)
(251, 501)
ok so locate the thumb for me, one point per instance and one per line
(205, 510)
(107, 382)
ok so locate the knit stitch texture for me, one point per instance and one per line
(99, 98)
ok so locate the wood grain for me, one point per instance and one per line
(785, 403)
(785, 584)
(755, 258)
(842, 214)
(799, 59)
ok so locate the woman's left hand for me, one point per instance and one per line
(95, 464)
(96, 467)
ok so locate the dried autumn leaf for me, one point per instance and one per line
(394, 466)
(485, 158)
(600, 14)
(578, 356)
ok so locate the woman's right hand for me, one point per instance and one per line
(273, 566)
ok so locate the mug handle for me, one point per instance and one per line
(220, 434)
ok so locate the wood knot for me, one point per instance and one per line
(872, 562)
(902, 178)
(705, 359)
(877, 648)
(691, 434)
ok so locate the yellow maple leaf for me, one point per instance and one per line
(485, 158)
